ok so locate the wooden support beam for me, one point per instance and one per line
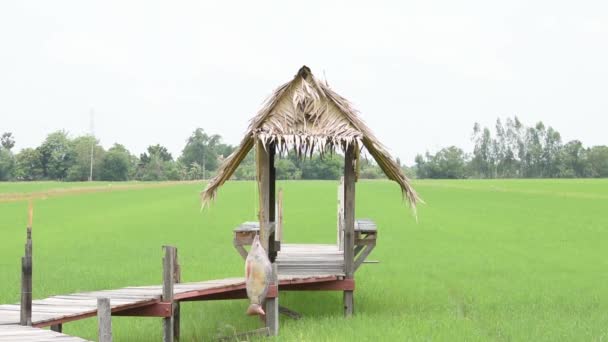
(177, 278)
(368, 249)
(167, 295)
(160, 309)
(272, 307)
(266, 183)
(340, 224)
(349, 303)
(349, 223)
(279, 217)
(26, 280)
(263, 173)
(330, 285)
(104, 319)
(220, 294)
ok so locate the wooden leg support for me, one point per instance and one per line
(349, 303)
(57, 327)
(167, 296)
(104, 319)
(272, 307)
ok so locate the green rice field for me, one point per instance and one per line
(488, 260)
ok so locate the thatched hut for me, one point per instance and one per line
(306, 116)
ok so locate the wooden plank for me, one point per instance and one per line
(249, 226)
(104, 319)
(167, 296)
(51, 309)
(366, 225)
(15, 333)
(349, 223)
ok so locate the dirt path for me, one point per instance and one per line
(17, 197)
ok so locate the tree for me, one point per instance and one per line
(152, 169)
(205, 150)
(322, 167)
(597, 157)
(116, 164)
(286, 169)
(573, 161)
(195, 171)
(156, 164)
(421, 167)
(7, 141)
(28, 165)
(160, 152)
(483, 163)
(515, 142)
(7, 164)
(246, 171)
(449, 162)
(56, 155)
(368, 169)
(80, 169)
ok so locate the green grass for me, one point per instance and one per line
(505, 260)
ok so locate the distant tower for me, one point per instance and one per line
(92, 144)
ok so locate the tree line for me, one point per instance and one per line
(60, 157)
(514, 150)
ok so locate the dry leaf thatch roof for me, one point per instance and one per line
(306, 115)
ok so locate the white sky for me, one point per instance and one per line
(420, 72)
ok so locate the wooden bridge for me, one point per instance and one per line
(135, 301)
(301, 267)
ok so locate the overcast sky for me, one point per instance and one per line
(420, 72)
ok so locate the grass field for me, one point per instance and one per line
(505, 260)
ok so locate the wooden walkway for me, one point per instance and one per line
(138, 301)
(20, 333)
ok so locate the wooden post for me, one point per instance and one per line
(279, 214)
(167, 296)
(272, 307)
(349, 225)
(263, 166)
(26, 280)
(266, 185)
(177, 278)
(104, 319)
(340, 227)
